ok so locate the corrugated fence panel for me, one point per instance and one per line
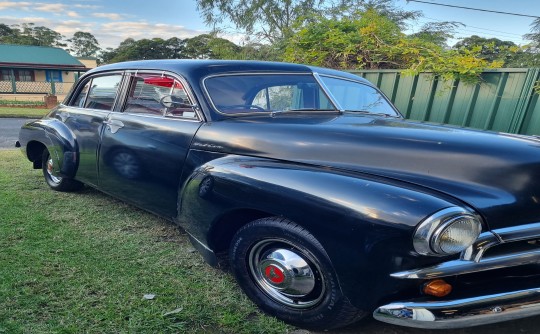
(505, 100)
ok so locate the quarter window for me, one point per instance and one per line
(99, 93)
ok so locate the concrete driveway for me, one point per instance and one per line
(9, 131)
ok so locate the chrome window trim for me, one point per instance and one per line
(209, 98)
(91, 77)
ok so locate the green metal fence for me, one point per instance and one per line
(504, 101)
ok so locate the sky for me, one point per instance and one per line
(112, 21)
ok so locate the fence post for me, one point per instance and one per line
(13, 83)
(527, 93)
(53, 88)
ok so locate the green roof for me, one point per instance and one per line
(27, 55)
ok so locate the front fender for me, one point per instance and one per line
(59, 141)
(364, 223)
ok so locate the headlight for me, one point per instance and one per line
(447, 232)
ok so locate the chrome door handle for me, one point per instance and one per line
(113, 125)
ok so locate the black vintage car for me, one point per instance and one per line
(327, 203)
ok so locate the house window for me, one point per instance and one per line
(5, 75)
(52, 75)
(24, 75)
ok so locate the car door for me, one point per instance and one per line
(92, 102)
(145, 142)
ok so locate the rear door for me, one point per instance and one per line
(145, 142)
(93, 101)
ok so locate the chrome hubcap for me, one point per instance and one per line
(286, 274)
(53, 178)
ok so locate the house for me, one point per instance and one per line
(31, 72)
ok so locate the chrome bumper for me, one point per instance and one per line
(478, 310)
(462, 312)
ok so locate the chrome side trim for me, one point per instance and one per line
(465, 312)
(516, 233)
(460, 267)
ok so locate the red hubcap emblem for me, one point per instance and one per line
(274, 274)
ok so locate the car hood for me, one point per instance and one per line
(497, 174)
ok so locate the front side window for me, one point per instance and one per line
(158, 95)
(355, 96)
(98, 93)
(234, 94)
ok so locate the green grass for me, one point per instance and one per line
(22, 112)
(82, 262)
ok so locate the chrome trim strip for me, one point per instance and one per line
(460, 267)
(476, 251)
(516, 233)
(329, 94)
(465, 312)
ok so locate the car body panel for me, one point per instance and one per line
(360, 183)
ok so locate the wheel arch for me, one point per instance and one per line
(55, 136)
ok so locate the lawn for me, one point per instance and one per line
(22, 112)
(83, 262)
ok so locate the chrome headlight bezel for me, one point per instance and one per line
(426, 240)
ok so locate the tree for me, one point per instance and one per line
(534, 35)
(84, 44)
(29, 34)
(207, 46)
(437, 32)
(271, 19)
(369, 40)
(488, 48)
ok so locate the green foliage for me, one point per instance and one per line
(30, 34)
(84, 44)
(437, 32)
(369, 40)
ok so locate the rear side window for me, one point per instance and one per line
(99, 93)
(158, 95)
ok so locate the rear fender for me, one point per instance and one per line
(59, 141)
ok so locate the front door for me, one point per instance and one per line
(144, 144)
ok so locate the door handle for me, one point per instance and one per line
(113, 125)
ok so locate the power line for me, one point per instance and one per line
(478, 9)
(466, 25)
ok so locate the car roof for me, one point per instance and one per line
(195, 69)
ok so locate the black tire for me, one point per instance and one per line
(57, 183)
(307, 293)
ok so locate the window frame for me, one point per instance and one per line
(319, 76)
(216, 109)
(129, 81)
(82, 83)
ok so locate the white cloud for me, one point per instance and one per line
(50, 7)
(15, 5)
(110, 16)
(72, 14)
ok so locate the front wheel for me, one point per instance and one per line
(287, 273)
(57, 183)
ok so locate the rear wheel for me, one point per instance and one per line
(57, 183)
(287, 273)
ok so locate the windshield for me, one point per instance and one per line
(251, 93)
(355, 96)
